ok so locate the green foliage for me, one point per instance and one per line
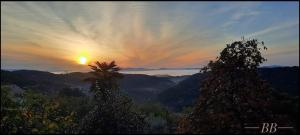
(46, 115)
(160, 119)
(80, 105)
(34, 113)
(10, 115)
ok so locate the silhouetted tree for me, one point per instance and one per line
(113, 112)
(233, 95)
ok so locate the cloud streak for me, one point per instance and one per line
(274, 28)
(135, 34)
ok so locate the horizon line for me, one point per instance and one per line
(137, 68)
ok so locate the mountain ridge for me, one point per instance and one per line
(184, 94)
(175, 92)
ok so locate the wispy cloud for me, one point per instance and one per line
(273, 28)
(156, 34)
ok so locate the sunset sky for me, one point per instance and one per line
(52, 36)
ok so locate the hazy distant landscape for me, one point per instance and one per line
(175, 91)
(157, 72)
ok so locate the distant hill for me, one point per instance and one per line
(38, 80)
(182, 94)
(173, 92)
(144, 87)
(283, 79)
(140, 87)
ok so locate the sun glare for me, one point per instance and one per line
(82, 60)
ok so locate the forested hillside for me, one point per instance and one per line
(184, 94)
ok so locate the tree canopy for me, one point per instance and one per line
(233, 94)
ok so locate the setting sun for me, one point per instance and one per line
(82, 60)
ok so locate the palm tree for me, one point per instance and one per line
(113, 112)
(104, 79)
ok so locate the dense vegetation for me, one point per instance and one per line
(231, 91)
(185, 93)
(233, 94)
(113, 112)
(33, 112)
